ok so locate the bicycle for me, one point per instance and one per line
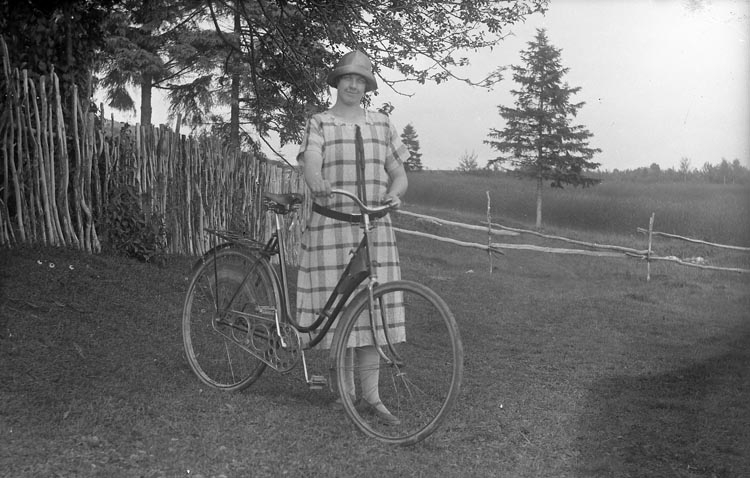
(237, 321)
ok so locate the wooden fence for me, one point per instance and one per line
(57, 177)
(592, 248)
(58, 174)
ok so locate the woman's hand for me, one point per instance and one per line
(396, 188)
(391, 199)
(319, 187)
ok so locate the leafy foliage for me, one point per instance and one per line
(284, 49)
(265, 59)
(411, 141)
(468, 162)
(132, 232)
(63, 37)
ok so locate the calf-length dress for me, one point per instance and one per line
(327, 243)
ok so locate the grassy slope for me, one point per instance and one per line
(575, 367)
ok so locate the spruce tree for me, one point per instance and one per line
(539, 139)
(159, 45)
(409, 138)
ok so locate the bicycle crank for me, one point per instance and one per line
(259, 336)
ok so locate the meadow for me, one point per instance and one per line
(575, 367)
(711, 212)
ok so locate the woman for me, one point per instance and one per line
(351, 148)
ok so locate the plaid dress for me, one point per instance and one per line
(327, 243)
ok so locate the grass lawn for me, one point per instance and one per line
(575, 367)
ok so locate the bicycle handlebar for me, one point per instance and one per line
(365, 209)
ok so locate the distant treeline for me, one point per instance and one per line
(722, 173)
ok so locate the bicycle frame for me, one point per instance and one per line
(359, 269)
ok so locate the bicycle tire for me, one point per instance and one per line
(211, 330)
(420, 391)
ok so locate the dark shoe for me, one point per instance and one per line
(339, 405)
(385, 417)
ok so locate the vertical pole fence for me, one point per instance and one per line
(59, 170)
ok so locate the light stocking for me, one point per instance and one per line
(368, 361)
(348, 384)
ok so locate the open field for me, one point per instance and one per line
(575, 367)
(712, 212)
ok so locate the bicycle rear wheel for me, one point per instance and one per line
(231, 301)
(420, 378)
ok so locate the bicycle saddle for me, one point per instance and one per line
(289, 199)
(282, 203)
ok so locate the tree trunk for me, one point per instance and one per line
(146, 100)
(234, 114)
(234, 101)
(539, 185)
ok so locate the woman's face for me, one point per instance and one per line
(351, 88)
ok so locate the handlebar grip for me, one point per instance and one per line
(364, 209)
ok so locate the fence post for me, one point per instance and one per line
(489, 230)
(648, 252)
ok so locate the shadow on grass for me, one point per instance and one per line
(689, 422)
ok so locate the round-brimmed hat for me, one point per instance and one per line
(354, 62)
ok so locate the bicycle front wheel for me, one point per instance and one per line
(418, 379)
(229, 306)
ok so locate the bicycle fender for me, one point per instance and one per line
(202, 259)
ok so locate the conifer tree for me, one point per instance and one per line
(538, 138)
(159, 45)
(410, 140)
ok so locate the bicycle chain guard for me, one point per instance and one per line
(257, 335)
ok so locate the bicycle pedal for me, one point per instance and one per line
(317, 382)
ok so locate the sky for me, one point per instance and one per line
(661, 79)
